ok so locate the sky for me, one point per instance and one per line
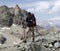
(44, 10)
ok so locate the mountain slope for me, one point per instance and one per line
(11, 15)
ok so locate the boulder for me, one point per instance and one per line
(2, 39)
(57, 45)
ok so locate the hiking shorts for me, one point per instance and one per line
(29, 29)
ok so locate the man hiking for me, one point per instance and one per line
(31, 22)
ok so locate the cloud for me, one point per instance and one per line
(56, 7)
(50, 23)
(41, 6)
(52, 6)
(54, 19)
(31, 9)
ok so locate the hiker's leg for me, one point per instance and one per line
(33, 35)
(27, 32)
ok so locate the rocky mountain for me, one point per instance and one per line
(11, 15)
(12, 33)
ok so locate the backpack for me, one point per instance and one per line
(34, 24)
(30, 22)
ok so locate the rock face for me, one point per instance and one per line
(2, 39)
(5, 16)
(11, 15)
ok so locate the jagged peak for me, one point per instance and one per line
(17, 7)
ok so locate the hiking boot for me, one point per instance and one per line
(24, 41)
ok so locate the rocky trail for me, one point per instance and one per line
(42, 43)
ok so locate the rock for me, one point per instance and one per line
(43, 32)
(53, 49)
(50, 45)
(5, 16)
(35, 47)
(2, 39)
(1, 36)
(16, 10)
(57, 45)
(54, 29)
(45, 45)
(19, 15)
(8, 16)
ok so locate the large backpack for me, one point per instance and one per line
(30, 21)
(34, 19)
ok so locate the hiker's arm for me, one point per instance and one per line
(34, 20)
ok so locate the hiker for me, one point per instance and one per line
(31, 22)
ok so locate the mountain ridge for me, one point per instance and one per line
(11, 15)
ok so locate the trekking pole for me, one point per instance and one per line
(37, 30)
(33, 35)
(23, 29)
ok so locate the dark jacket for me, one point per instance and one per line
(30, 20)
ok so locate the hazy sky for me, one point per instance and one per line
(44, 10)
